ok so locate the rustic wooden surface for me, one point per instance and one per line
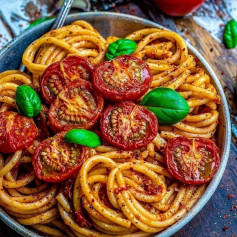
(219, 216)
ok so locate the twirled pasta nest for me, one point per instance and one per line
(112, 188)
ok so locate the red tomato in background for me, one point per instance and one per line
(178, 7)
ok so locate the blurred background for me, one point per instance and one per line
(201, 23)
(212, 15)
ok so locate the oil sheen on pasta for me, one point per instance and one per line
(113, 187)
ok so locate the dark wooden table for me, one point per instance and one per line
(219, 216)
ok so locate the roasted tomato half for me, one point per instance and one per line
(75, 67)
(55, 160)
(128, 126)
(59, 74)
(77, 106)
(192, 161)
(16, 132)
(124, 78)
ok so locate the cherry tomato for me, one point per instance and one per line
(16, 132)
(178, 7)
(55, 160)
(52, 82)
(75, 67)
(128, 126)
(124, 78)
(77, 106)
(192, 161)
(59, 74)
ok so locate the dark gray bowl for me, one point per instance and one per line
(121, 25)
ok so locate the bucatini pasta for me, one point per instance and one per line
(79, 38)
(114, 192)
(174, 68)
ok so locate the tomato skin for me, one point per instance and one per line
(59, 74)
(16, 132)
(178, 7)
(65, 172)
(69, 67)
(187, 146)
(52, 71)
(90, 115)
(124, 137)
(82, 221)
(67, 187)
(124, 89)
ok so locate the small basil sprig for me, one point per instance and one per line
(39, 21)
(167, 104)
(82, 137)
(230, 34)
(120, 47)
(27, 100)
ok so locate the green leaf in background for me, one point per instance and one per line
(83, 137)
(120, 47)
(167, 104)
(27, 100)
(38, 21)
(230, 34)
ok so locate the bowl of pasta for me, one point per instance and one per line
(118, 127)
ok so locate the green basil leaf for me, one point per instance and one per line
(83, 137)
(120, 47)
(38, 21)
(167, 104)
(27, 100)
(230, 34)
